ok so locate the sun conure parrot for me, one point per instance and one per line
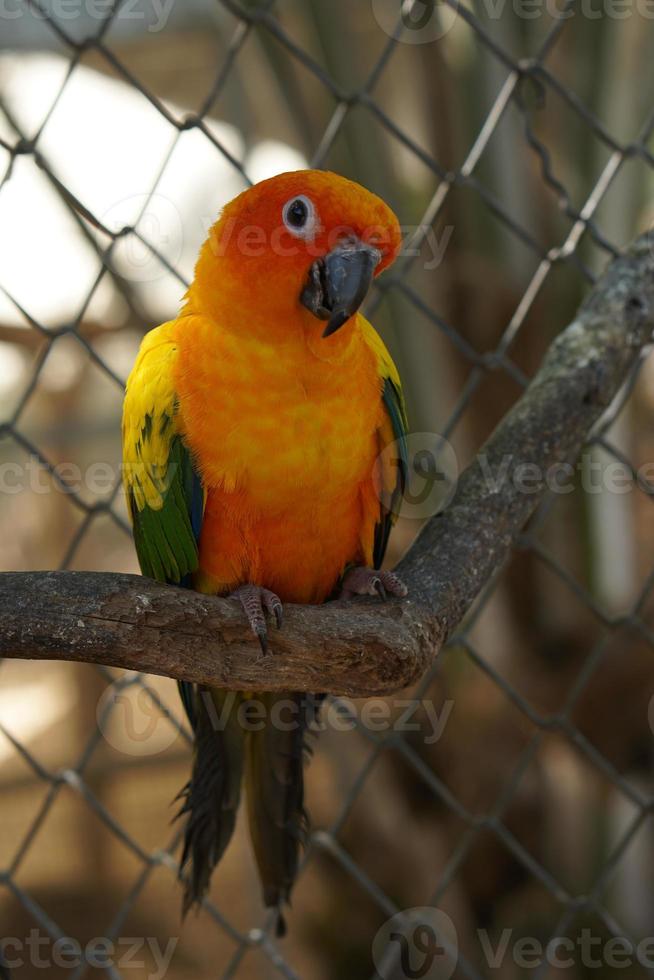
(253, 431)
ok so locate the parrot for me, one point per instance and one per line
(264, 457)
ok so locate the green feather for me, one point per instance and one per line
(165, 542)
(394, 405)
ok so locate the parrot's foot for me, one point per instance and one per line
(370, 581)
(256, 602)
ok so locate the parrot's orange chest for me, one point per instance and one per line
(285, 441)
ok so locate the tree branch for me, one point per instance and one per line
(364, 647)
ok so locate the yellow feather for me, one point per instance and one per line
(149, 392)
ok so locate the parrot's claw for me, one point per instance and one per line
(256, 602)
(370, 581)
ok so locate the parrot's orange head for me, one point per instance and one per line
(299, 248)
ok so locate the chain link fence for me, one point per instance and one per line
(487, 818)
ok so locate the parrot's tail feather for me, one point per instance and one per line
(274, 779)
(211, 797)
(187, 694)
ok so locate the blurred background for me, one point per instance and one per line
(514, 142)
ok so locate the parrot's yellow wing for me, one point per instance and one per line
(393, 432)
(164, 493)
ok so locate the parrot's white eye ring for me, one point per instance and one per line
(299, 216)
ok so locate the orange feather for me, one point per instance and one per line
(282, 423)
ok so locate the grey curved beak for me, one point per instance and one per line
(339, 282)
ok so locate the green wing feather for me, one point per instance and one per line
(164, 491)
(394, 405)
(166, 543)
(394, 466)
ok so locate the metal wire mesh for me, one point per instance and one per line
(525, 83)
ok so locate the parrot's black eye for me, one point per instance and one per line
(299, 216)
(297, 213)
